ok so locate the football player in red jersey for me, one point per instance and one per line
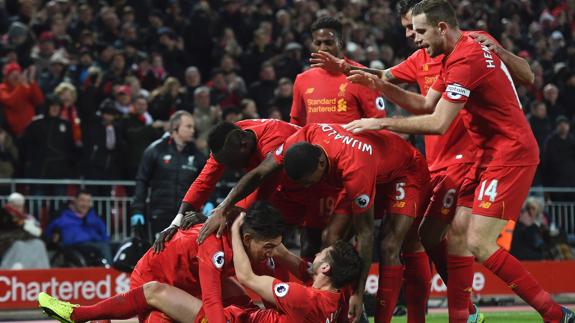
(507, 153)
(205, 271)
(450, 156)
(356, 165)
(251, 142)
(321, 96)
(333, 268)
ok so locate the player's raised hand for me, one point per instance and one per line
(329, 62)
(363, 124)
(486, 41)
(192, 218)
(366, 79)
(166, 235)
(355, 308)
(238, 222)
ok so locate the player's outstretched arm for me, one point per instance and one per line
(413, 102)
(518, 67)
(295, 265)
(261, 285)
(334, 64)
(436, 123)
(245, 186)
(363, 226)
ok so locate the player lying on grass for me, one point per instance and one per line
(333, 268)
(206, 271)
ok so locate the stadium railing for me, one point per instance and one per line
(115, 207)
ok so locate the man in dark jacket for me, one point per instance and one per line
(49, 149)
(558, 160)
(168, 167)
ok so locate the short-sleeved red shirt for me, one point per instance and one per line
(455, 146)
(320, 96)
(356, 161)
(197, 269)
(492, 114)
(299, 303)
(270, 134)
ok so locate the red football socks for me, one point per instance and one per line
(438, 255)
(459, 287)
(510, 270)
(417, 285)
(390, 280)
(121, 306)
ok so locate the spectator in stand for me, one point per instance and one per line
(262, 91)
(67, 96)
(249, 109)
(8, 159)
(540, 123)
(232, 115)
(48, 148)
(221, 92)
(20, 243)
(138, 130)
(193, 81)
(168, 168)
(79, 227)
(172, 51)
(283, 98)
(19, 39)
(19, 95)
(166, 100)
(44, 51)
(136, 88)
(123, 96)
(528, 242)
(558, 160)
(550, 98)
(542, 128)
(102, 150)
(54, 75)
(205, 115)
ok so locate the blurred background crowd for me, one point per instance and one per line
(87, 85)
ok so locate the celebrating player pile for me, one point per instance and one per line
(482, 161)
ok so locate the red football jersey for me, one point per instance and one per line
(356, 161)
(298, 303)
(270, 134)
(492, 114)
(322, 97)
(195, 269)
(455, 146)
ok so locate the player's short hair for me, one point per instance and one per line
(328, 22)
(263, 221)
(436, 11)
(301, 159)
(218, 136)
(345, 264)
(403, 6)
(176, 119)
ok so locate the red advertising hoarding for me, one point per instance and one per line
(19, 288)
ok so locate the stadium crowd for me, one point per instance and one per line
(87, 85)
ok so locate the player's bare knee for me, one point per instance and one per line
(476, 245)
(389, 250)
(152, 291)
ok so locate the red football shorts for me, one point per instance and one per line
(446, 184)
(498, 192)
(310, 208)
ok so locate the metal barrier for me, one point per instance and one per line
(115, 208)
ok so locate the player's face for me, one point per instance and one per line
(319, 260)
(327, 41)
(407, 23)
(317, 175)
(427, 36)
(260, 250)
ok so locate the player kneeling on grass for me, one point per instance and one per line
(333, 268)
(205, 271)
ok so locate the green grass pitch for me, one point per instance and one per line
(491, 317)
